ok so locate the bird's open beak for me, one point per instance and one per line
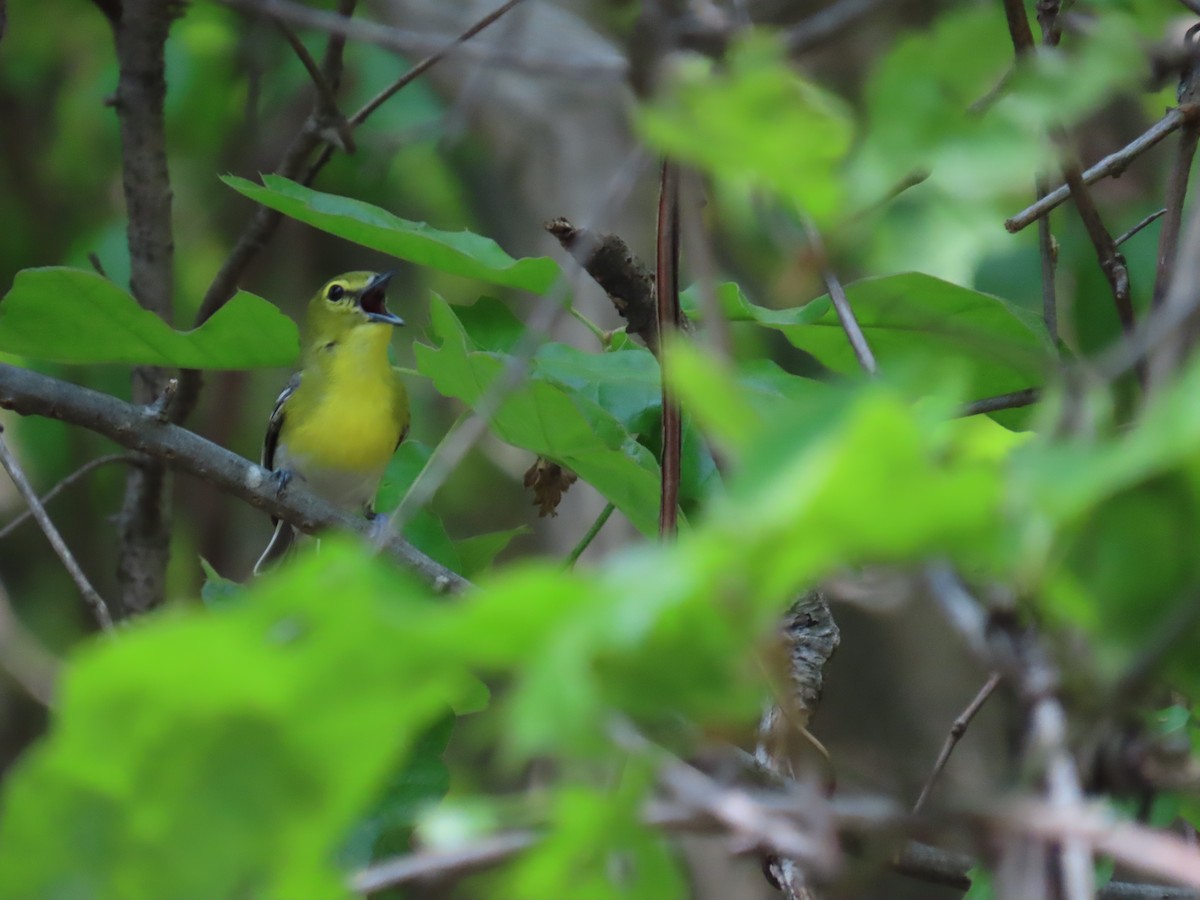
(373, 298)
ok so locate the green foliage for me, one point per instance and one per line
(916, 323)
(456, 252)
(72, 316)
(546, 419)
(266, 728)
(713, 116)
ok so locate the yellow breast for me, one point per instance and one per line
(352, 412)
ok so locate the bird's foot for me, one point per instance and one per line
(381, 527)
(282, 478)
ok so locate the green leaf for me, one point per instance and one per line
(218, 590)
(915, 322)
(548, 420)
(478, 552)
(456, 252)
(73, 316)
(421, 781)
(259, 732)
(424, 529)
(753, 121)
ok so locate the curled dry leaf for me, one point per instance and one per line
(548, 481)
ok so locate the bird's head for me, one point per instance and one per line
(350, 301)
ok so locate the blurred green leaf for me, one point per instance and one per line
(257, 732)
(915, 322)
(754, 121)
(421, 781)
(73, 316)
(456, 252)
(218, 590)
(478, 552)
(598, 847)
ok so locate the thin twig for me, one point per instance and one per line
(586, 540)
(1177, 180)
(825, 25)
(406, 43)
(669, 319)
(432, 865)
(1014, 400)
(429, 62)
(1112, 263)
(86, 469)
(1048, 255)
(957, 730)
(1150, 219)
(841, 304)
(29, 495)
(324, 90)
(1113, 164)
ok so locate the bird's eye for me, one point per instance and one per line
(335, 292)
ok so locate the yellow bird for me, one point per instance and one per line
(341, 417)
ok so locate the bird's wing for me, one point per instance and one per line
(275, 423)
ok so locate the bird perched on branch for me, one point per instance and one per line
(341, 417)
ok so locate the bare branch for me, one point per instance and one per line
(80, 473)
(1015, 400)
(408, 43)
(325, 94)
(432, 865)
(827, 24)
(1113, 164)
(97, 605)
(1177, 179)
(30, 393)
(1149, 220)
(1112, 263)
(1018, 28)
(957, 730)
(144, 523)
(841, 304)
(670, 320)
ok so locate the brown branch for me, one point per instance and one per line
(144, 523)
(1149, 220)
(669, 319)
(407, 43)
(80, 473)
(1113, 164)
(1018, 28)
(325, 92)
(1048, 254)
(957, 729)
(621, 275)
(138, 429)
(1112, 263)
(1015, 400)
(94, 601)
(1177, 180)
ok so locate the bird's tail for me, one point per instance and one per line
(277, 548)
